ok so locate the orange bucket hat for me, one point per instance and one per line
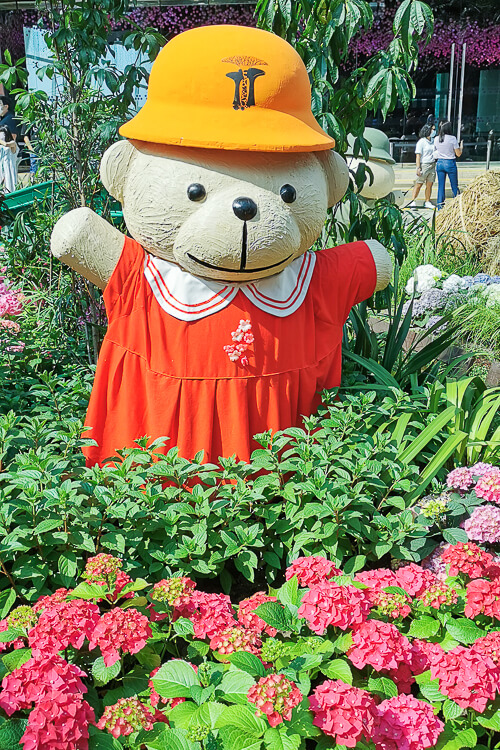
(229, 87)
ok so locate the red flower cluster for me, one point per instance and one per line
(414, 579)
(248, 618)
(236, 639)
(405, 723)
(467, 676)
(438, 594)
(125, 716)
(489, 645)
(36, 678)
(343, 712)
(60, 724)
(209, 613)
(53, 689)
(392, 605)
(483, 597)
(379, 644)
(173, 591)
(376, 580)
(328, 604)
(468, 559)
(311, 570)
(105, 570)
(124, 629)
(423, 653)
(56, 598)
(275, 696)
(62, 625)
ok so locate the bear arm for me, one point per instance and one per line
(383, 264)
(88, 244)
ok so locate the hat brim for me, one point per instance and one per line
(253, 129)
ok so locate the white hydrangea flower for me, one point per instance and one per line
(424, 278)
(453, 284)
(492, 294)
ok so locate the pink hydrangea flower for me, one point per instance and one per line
(466, 558)
(405, 723)
(125, 716)
(105, 570)
(328, 604)
(343, 712)
(489, 645)
(423, 653)
(56, 598)
(173, 591)
(275, 696)
(488, 486)
(250, 620)
(236, 639)
(394, 606)
(466, 676)
(209, 613)
(479, 469)
(484, 524)
(460, 479)
(60, 721)
(414, 579)
(61, 625)
(311, 570)
(483, 597)
(120, 629)
(377, 581)
(31, 682)
(437, 595)
(11, 303)
(379, 644)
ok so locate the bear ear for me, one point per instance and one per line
(114, 167)
(337, 175)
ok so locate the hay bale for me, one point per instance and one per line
(471, 221)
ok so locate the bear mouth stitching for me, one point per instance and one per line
(237, 270)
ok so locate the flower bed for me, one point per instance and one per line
(399, 658)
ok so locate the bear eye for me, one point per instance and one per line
(288, 193)
(196, 192)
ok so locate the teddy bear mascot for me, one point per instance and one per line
(222, 322)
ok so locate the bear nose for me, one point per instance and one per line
(244, 208)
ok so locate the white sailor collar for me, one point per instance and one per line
(187, 297)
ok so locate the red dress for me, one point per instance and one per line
(163, 370)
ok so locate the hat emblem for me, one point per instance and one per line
(244, 79)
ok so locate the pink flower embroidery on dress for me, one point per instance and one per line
(242, 339)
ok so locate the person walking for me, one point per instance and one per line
(426, 167)
(446, 150)
(9, 151)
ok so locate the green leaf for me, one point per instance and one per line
(7, 599)
(275, 615)
(278, 739)
(68, 566)
(207, 714)
(289, 592)
(175, 679)
(343, 643)
(490, 722)
(183, 626)
(242, 717)
(235, 739)
(181, 714)
(87, 591)
(464, 630)
(167, 739)
(103, 674)
(11, 634)
(11, 732)
(235, 686)
(16, 658)
(452, 536)
(102, 740)
(464, 738)
(338, 669)
(247, 663)
(382, 685)
(424, 627)
(451, 710)
(431, 691)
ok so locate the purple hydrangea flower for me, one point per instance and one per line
(484, 524)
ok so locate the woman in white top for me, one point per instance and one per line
(446, 150)
(8, 159)
(426, 166)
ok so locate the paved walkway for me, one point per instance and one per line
(467, 171)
